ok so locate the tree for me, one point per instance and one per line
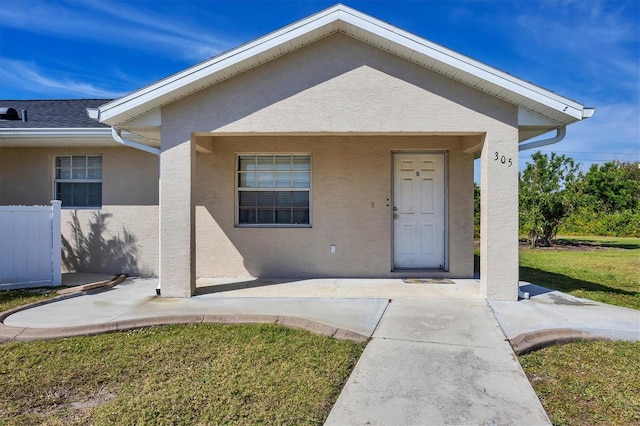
(608, 201)
(611, 187)
(546, 196)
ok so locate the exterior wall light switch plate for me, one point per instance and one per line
(332, 248)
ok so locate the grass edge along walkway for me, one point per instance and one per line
(202, 373)
(603, 269)
(584, 382)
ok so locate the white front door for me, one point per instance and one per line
(419, 211)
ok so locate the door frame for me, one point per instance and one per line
(445, 155)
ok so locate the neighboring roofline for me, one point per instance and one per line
(335, 19)
(51, 113)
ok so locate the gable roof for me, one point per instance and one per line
(343, 19)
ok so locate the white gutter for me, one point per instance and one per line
(117, 136)
(73, 132)
(561, 132)
(94, 113)
(587, 112)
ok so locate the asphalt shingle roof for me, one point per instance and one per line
(58, 113)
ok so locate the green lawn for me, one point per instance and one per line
(269, 374)
(180, 374)
(587, 383)
(596, 268)
(10, 299)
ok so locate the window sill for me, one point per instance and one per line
(273, 226)
(80, 208)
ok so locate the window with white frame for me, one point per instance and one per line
(78, 180)
(274, 190)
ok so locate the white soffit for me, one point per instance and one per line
(343, 19)
(528, 118)
(151, 119)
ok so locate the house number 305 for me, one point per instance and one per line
(502, 159)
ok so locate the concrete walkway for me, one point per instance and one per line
(438, 362)
(438, 354)
(551, 316)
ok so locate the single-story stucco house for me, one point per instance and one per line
(338, 146)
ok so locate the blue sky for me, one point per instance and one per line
(586, 50)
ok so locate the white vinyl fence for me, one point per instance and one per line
(30, 241)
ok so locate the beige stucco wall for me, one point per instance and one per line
(349, 105)
(499, 270)
(339, 84)
(351, 186)
(127, 223)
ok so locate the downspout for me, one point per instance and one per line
(561, 132)
(117, 136)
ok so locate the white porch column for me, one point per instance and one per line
(177, 217)
(499, 273)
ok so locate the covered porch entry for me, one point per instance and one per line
(354, 188)
(339, 93)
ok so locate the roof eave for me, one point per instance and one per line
(339, 18)
(109, 112)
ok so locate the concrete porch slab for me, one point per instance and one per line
(360, 288)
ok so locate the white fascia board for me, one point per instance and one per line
(109, 112)
(72, 132)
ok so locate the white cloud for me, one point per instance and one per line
(168, 32)
(596, 38)
(27, 75)
(116, 23)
